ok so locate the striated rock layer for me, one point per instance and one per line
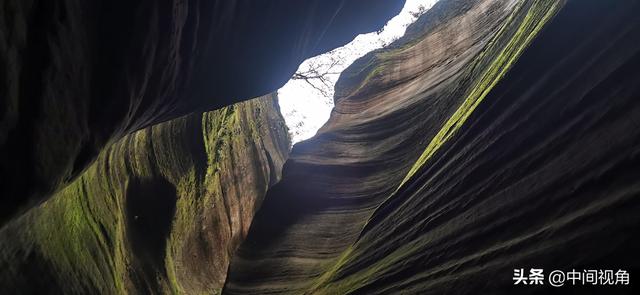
(78, 75)
(160, 211)
(495, 135)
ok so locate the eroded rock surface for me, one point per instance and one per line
(495, 135)
(160, 211)
(78, 75)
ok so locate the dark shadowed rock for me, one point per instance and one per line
(160, 211)
(77, 75)
(495, 135)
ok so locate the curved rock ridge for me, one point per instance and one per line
(495, 135)
(541, 175)
(160, 211)
(78, 75)
(389, 104)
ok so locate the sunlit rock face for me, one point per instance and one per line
(495, 135)
(77, 75)
(160, 211)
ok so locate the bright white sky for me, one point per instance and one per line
(304, 108)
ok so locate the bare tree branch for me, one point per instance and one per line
(318, 72)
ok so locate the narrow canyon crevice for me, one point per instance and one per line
(78, 75)
(494, 135)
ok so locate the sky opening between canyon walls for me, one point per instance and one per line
(306, 108)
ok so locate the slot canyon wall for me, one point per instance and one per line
(494, 135)
(78, 75)
(160, 211)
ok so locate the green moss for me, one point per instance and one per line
(536, 17)
(82, 230)
(369, 274)
(85, 248)
(498, 56)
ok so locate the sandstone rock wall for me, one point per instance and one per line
(495, 135)
(160, 211)
(78, 75)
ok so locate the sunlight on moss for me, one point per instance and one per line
(539, 13)
(506, 46)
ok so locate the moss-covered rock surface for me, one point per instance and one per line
(161, 210)
(496, 135)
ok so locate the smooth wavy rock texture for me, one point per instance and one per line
(160, 211)
(78, 75)
(495, 135)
